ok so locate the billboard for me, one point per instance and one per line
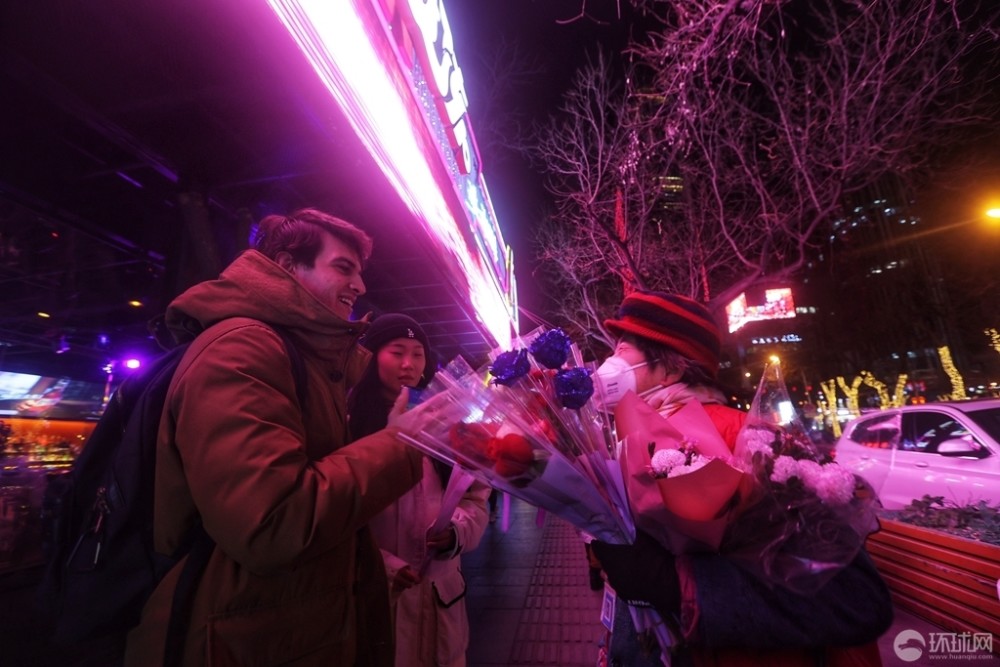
(777, 305)
(37, 396)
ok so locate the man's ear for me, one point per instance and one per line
(284, 260)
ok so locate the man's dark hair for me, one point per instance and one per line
(300, 235)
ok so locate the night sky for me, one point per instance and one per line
(547, 54)
(550, 45)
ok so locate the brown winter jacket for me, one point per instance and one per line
(295, 578)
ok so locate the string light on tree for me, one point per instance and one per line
(829, 389)
(878, 386)
(899, 396)
(851, 392)
(957, 381)
(994, 336)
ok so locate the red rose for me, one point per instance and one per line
(512, 455)
(536, 406)
(472, 441)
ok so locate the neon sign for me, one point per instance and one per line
(358, 58)
(435, 50)
(425, 42)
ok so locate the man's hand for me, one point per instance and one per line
(417, 418)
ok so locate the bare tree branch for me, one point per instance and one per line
(770, 114)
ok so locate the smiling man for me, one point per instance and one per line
(294, 576)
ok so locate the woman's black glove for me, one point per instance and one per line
(641, 573)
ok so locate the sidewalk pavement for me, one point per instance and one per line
(528, 598)
(529, 602)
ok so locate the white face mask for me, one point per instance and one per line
(616, 378)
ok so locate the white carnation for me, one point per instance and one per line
(697, 461)
(835, 485)
(758, 441)
(810, 473)
(665, 460)
(785, 467)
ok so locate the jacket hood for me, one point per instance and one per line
(256, 287)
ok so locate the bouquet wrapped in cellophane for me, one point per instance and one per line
(525, 426)
(776, 504)
(801, 516)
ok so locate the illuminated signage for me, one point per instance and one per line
(770, 340)
(435, 50)
(778, 304)
(365, 52)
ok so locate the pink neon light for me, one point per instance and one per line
(341, 41)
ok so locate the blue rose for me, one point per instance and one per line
(551, 349)
(574, 387)
(510, 366)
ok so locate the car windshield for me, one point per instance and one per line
(988, 420)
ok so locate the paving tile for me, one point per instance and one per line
(529, 600)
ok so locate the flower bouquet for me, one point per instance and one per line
(523, 425)
(802, 517)
(776, 505)
(526, 426)
(681, 479)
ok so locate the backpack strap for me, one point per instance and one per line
(298, 368)
(201, 544)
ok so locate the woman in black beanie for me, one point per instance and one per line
(431, 624)
(409, 359)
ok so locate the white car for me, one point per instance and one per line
(938, 449)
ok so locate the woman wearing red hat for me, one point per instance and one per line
(431, 624)
(668, 353)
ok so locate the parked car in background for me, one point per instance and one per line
(938, 449)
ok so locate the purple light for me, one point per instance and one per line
(128, 179)
(132, 363)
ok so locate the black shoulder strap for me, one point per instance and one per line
(298, 368)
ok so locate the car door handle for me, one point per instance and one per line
(921, 464)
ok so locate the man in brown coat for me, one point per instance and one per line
(294, 577)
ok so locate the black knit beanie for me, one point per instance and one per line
(390, 326)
